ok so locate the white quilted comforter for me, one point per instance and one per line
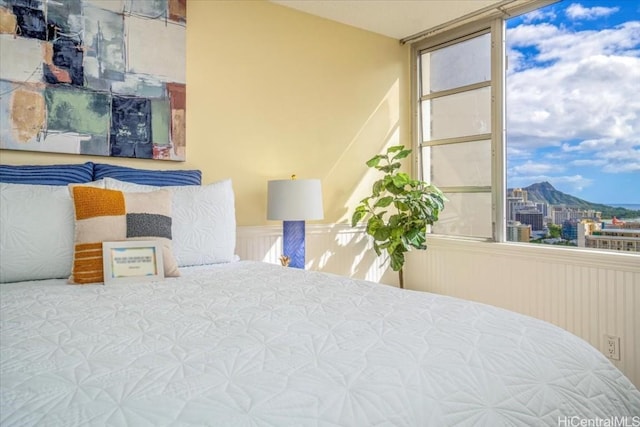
(252, 344)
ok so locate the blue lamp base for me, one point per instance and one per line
(293, 242)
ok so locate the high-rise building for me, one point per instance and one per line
(569, 229)
(531, 217)
(513, 204)
(543, 208)
(519, 192)
(517, 232)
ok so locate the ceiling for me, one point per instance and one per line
(393, 18)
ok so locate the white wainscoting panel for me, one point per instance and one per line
(332, 248)
(586, 292)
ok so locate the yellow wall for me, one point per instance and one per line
(272, 91)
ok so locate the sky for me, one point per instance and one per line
(573, 99)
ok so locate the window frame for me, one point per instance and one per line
(491, 26)
(495, 24)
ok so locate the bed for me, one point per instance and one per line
(228, 342)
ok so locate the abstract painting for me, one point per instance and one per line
(94, 77)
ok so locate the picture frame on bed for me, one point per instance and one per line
(132, 261)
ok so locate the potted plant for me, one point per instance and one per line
(398, 209)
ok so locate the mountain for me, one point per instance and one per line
(543, 192)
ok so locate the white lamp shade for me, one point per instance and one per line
(294, 199)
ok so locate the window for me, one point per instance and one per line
(456, 130)
(504, 145)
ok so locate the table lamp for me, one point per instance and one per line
(293, 201)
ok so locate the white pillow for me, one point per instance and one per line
(204, 220)
(36, 231)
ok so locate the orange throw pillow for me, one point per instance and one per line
(109, 215)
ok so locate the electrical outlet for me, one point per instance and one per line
(612, 347)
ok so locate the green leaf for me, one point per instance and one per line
(402, 154)
(365, 201)
(400, 180)
(378, 187)
(381, 234)
(357, 217)
(401, 206)
(373, 225)
(386, 168)
(397, 260)
(392, 246)
(374, 161)
(385, 244)
(395, 148)
(415, 237)
(384, 202)
(376, 247)
(397, 191)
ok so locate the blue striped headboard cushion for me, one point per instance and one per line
(47, 174)
(159, 178)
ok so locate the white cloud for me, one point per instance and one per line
(609, 155)
(528, 35)
(590, 145)
(577, 11)
(578, 182)
(554, 44)
(623, 168)
(588, 162)
(536, 168)
(621, 159)
(571, 99)
(539, 15)
(579, 94)
(514, 152)
(572, 46)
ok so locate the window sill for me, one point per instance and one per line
(626, 261)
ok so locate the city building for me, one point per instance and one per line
(620, 224)
(570, 229)
(531, 217)
(617, 239)
(585, 228)
(543, 207)
(513, 204)
(518, 232)
(560, 214)
(519, 192)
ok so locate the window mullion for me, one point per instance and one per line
(498, 178)
(453, 91)
(466, 189)
(456, 140)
